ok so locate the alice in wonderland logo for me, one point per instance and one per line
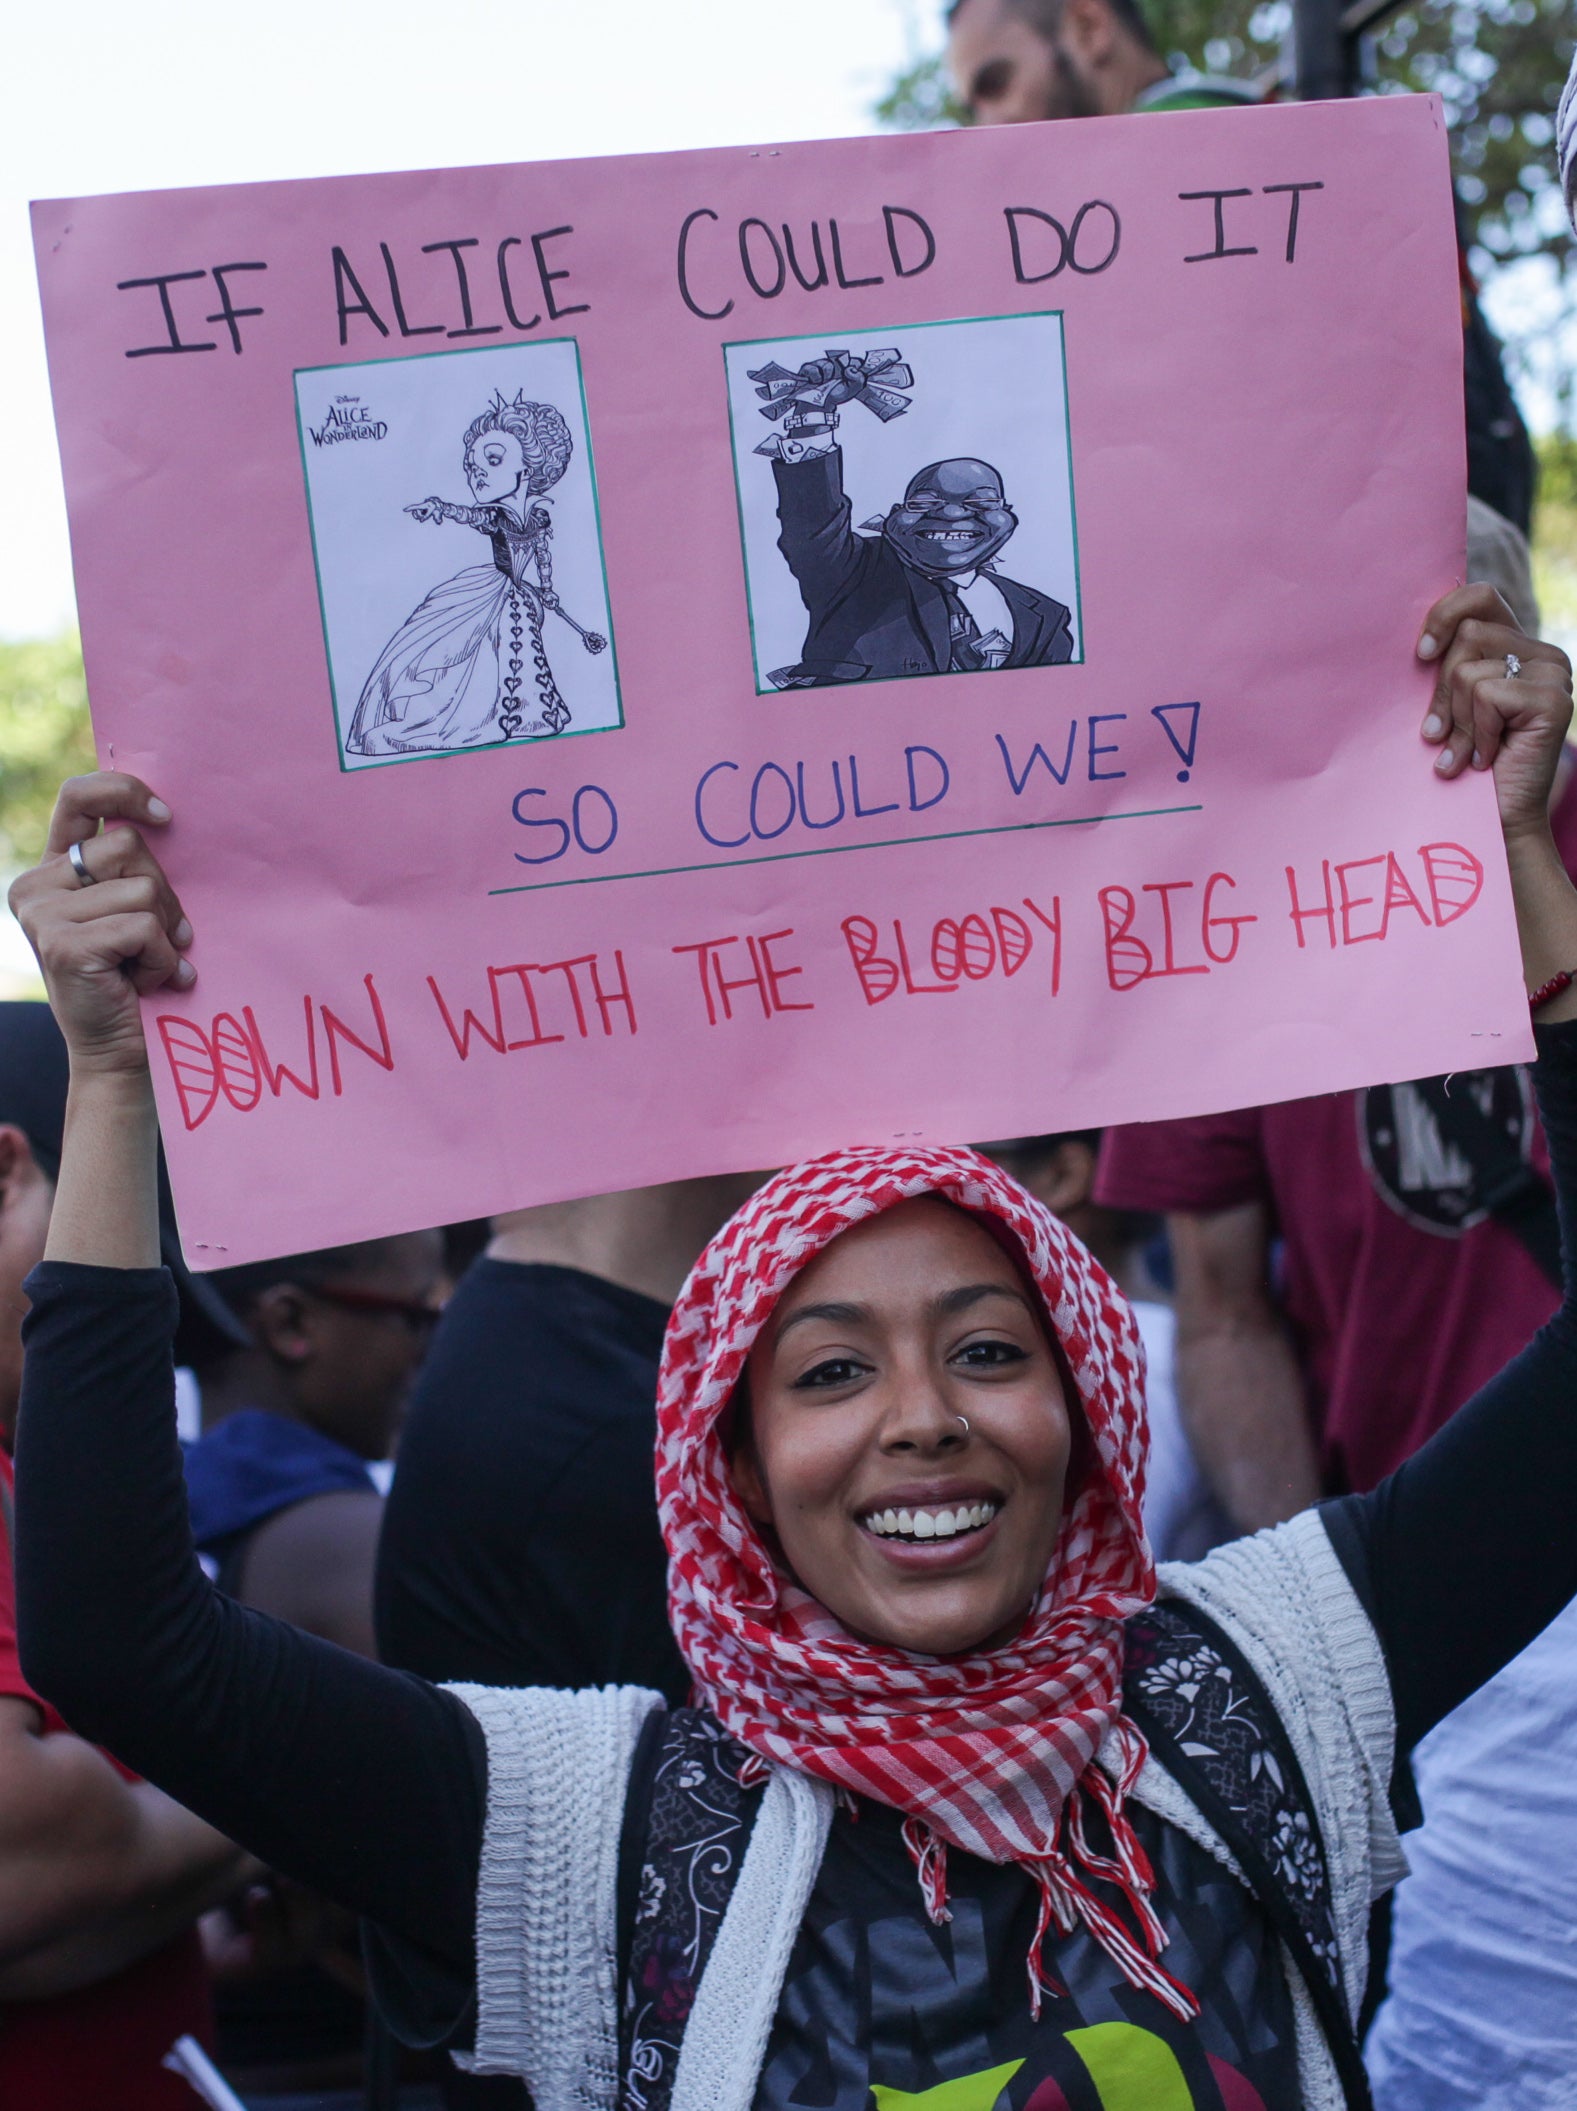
(348, 419)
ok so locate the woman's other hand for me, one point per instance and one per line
(1484, 717)
(103, 944)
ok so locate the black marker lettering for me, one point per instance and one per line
(1221, 249)
(709, 315)
(901, 270)
(1095, 205)
(229, 314)
(343, 277)
(550, 278)
(767, 293)
(1297, 190)
(837, 263)
(809, 285)
(1013, 214)
(511, 242)
(471, 327)
(164, 283)
(406, 329)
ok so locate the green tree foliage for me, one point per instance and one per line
(44, 736)
(1499, 66)
(920, 98)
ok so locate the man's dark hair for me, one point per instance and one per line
(1043, 17)
(241, 1287)
(1031, 1150)
(34, 1074)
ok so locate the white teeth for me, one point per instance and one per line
(930, 1524)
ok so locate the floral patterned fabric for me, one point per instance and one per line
(697, 1828)
(1222, 1721)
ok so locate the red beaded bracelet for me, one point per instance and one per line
(1546, 990)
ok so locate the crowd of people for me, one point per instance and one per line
(702, 1646)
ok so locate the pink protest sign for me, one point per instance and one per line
(665, 665)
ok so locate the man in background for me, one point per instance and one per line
(1019, 61)
(284, 1503)
(101, 1876)
(520, 1543)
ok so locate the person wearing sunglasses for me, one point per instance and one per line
(284, 1505)
(286, 1514)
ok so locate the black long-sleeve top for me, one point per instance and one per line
(542, 1379)
(370, 1785)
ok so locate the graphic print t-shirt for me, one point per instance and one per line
(879, 2006)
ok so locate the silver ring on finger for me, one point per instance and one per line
(1513, 667)
(79, 866)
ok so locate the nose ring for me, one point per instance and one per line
(965, 1420)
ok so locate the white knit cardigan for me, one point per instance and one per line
(558, 1764)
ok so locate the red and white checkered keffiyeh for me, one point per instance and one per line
(992, 1752)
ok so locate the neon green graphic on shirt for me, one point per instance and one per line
(1132, 2068)
(971, 2092)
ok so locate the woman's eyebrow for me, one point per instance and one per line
(967, 1294)
(943, 1307)
(835, 1315)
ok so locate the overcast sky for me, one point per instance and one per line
(103, 96)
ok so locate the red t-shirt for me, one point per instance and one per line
(102, 2045)
(1404, 1297)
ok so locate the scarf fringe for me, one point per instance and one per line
(929, 1856)
(1066, 1898)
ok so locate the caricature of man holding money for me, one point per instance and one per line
(918, 592)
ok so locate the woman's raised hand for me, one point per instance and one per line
(103, 943)
(1503, 702)
(1483, 716)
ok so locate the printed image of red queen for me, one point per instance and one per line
(475, 616)
(470, 666)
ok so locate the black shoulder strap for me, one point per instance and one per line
(1213, 1727)
(687, 1823)
(1515, 1193)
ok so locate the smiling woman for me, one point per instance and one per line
(918, 1525)
(969, 1808)
(836, 1400)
